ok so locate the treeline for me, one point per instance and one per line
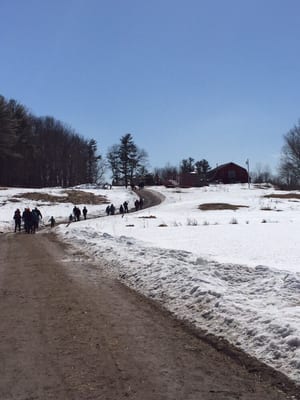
(42, 151)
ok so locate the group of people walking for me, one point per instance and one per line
(30, 218)
(123, 209)
(75, 216)
(111, 209)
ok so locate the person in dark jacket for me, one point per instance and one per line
(77, 213)
(84, 212)
(17, 218)
(112, 209)
(37, 215)
(125, 205)
(27, 219)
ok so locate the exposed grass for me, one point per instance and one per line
(162, 225)
(219, 206)
(70, 196)
(282, 196)
(148, 216)
(81, 197)
(269, 209)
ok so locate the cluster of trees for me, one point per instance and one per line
(42, 151)
(289, 167)
(171, 172)
(200, 167)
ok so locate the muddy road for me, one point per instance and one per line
(71, 331)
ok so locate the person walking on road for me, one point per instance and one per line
(84, 212)
(17, 218)
(52, 222)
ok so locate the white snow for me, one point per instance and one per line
(235, 274)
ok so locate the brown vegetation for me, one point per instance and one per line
(282, 196)
(70, 196)
(219, 206)
(269, 209)
(148, 216)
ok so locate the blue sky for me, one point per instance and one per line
(214, 79)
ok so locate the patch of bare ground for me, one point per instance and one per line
(148, 216)
(269, 209)
(219, 206)
(282, 196)
(69, 196)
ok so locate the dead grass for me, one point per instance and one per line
(282, 196)
(148, 216)
(70, 196)
(219, 206)
(269, 209)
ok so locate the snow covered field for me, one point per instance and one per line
(233, 273)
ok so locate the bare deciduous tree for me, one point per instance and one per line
(261, 174)
(289, 169)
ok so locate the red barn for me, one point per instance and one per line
(228, 173)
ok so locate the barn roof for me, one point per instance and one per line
(226, 165)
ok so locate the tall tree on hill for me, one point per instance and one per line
(289, 169)
(92, 162)
(128, 157)
(114, 163)
(126, 160)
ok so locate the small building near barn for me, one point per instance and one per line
(191, 179)
(228, 173)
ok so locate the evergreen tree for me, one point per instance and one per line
(126, 161)
(187, 165)
(202, 167)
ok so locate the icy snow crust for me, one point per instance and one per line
(231, 273)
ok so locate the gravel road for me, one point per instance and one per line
(70, 331)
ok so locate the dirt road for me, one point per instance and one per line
(70, 331)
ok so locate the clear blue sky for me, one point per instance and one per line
(214, 79)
